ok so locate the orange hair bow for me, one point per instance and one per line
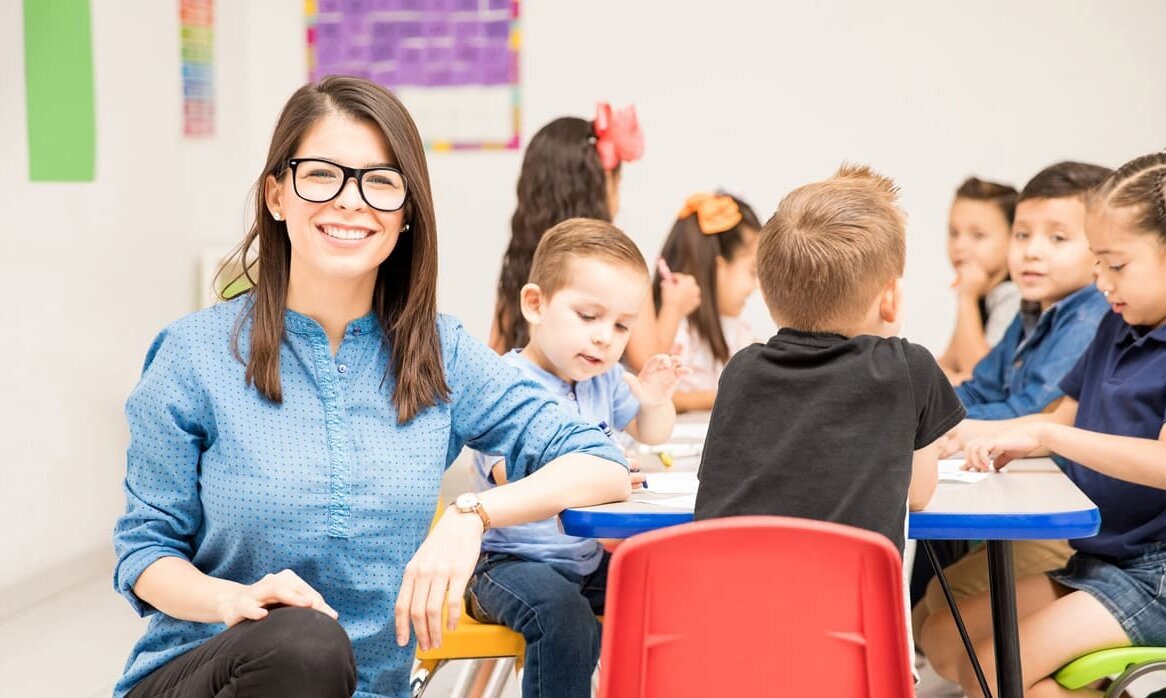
(715, 213)
(618, 137)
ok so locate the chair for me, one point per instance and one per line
(1129, 663)
(470, 640)
(754, 606)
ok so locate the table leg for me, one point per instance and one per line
(1002, 577)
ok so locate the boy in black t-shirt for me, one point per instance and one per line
(833, 418)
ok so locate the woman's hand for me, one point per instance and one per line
(995, 452)
(250, 602)
(436, 578)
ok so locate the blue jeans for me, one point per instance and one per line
(554, 611)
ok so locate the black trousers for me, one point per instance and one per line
(293, 652)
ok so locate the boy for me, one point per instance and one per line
(834, 418)
(1049, 260)
(587, 283)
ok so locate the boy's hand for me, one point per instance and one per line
(638, 479)
(950, 443)
(657, 380)
(995, 452)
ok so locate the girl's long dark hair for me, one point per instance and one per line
(405, 296)
(561, 178)
(690, 251)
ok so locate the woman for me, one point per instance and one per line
(287, 446)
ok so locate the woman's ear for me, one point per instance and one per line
(272, 196)
(531, 301)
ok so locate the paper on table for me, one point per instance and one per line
(672, 483)
(690, 430)
(687, 501)
(950, 471)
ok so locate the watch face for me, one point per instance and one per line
(466, 501)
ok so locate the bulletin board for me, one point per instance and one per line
(454, 63)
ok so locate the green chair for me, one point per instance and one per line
(1128, 663)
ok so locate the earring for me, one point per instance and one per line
(276, 216)
(405, 229)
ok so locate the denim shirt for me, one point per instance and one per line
(326, 484)
(1020, 375)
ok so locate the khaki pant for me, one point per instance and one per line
(968, 576)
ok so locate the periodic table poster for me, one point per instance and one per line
(454, 63)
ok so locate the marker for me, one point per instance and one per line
(662, 267)
(665, 458)
(611, 435)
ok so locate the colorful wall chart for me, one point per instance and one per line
(198, 87)
(58, 76)
(454, 63)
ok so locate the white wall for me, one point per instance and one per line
(758, 98)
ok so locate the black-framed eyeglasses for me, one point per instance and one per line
(318, 181)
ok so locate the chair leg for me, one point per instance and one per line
(423, 673)
(498, 677)
(1127, 677)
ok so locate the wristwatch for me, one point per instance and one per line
(468, 503)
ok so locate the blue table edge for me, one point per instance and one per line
(923, 525)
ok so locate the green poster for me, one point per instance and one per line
(58, 76)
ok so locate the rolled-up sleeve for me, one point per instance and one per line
(167, 422)
(497, 410)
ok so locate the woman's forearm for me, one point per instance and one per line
(177, 588)
(573, 480)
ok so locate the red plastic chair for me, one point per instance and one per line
(755, 606)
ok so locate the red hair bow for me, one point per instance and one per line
(617, 135)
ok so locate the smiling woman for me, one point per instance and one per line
(287, 446)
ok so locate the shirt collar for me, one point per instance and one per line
(1129, 334)
(810, 339)
(299, 323)
(544, 376)
(1031, 315)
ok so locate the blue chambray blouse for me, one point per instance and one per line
(326, 484)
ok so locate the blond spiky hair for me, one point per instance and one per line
(830, 247)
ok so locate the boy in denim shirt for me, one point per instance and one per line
(1050, 261)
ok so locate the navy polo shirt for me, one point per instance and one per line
(1120, 386)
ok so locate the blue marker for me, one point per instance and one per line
(606, 428)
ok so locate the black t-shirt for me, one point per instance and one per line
(821, 426)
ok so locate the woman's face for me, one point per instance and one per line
(343, 240)
(978, 233)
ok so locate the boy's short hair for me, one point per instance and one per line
(580, 238)
(830, 247)
(1064, 180)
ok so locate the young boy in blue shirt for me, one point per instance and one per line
(1050, 261)
(587, 284)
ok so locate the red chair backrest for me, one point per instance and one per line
(755, 606)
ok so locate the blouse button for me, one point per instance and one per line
(342, 368)
(570, 396)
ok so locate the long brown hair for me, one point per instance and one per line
(561, 178)
(405, 296)
(690, 251)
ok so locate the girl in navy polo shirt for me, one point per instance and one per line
(1108, 435)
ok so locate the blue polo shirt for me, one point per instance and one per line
(1020, 374)
(1120, 385)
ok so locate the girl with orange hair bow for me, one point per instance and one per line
(713, 247)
